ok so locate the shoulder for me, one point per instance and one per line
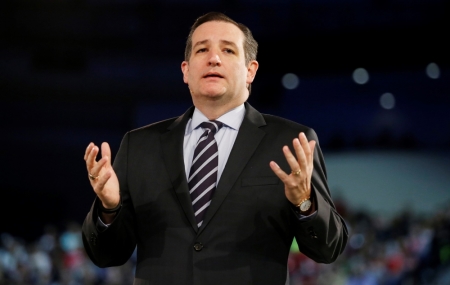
(269, 122)
(157, 127)
(149, 133)
(176, 124)
(280, 123)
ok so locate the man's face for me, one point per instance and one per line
(216, 69)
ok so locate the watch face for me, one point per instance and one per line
(305, 206)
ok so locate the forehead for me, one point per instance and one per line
(216, 31)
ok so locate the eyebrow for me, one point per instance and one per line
(221, 41)
(229, 43)
(200, 43)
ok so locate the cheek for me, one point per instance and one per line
(243, 75)
(238, 71)
(192, 78)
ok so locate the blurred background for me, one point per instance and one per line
(372, 77)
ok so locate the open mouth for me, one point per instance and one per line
(212, 75)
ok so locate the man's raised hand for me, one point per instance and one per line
(297, 184)
(102, 176)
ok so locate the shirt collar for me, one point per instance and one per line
(232, 119)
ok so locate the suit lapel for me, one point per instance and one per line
(172, 146)
(247, 140)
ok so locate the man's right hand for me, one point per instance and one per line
(102, 176)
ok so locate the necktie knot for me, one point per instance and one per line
(213, 126)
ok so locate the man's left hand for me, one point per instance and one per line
(297, 184)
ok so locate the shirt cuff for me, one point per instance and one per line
(304, 218)
(101, 226)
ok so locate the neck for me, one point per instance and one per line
(214, 112)
(213, 109)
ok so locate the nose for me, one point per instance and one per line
(214, 60)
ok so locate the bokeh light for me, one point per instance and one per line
(290, 81)
(360, 76)
(387, 101)
(433, 70)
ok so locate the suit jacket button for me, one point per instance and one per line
(198, 246)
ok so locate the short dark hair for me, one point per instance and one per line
(250, 44)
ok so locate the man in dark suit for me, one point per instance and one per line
(201, 195)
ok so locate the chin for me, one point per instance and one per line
(214, 93)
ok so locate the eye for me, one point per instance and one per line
(201, 50)
(228, 50)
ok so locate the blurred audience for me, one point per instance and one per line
(56, 259)
(406, 250)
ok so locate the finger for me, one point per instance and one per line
(278, 171)
(90, 162)
(95, 171)
(301, 155)
(106, 151)
(102, 182)
(290, 158)
(306, 150)
(88, 150)
(312, 146)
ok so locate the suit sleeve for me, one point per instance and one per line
(322, 238)
(114, 245)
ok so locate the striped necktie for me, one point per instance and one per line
(203, 174)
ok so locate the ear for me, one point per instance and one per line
(185, 70)
(252, 67)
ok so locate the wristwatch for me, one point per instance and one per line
(304, 205)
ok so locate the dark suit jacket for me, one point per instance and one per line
(249, 226)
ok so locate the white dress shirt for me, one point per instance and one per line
(225, 137)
